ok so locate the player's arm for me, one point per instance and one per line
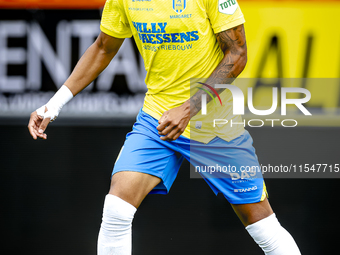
(96, 58)
(91, 64)
(233, 44)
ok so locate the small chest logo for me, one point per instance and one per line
(227, 6)
(198, 124)
(179, 5)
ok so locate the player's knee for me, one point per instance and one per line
(272, 237)
(117, 216)
(115, 232)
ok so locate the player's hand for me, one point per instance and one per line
(173, 122)
(37, 125)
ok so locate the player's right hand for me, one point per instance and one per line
(38, 124)
(48, 112)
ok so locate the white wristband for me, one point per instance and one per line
(55, 104)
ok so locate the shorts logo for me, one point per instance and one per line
(245, 190)
(179, 5)
(227, 6)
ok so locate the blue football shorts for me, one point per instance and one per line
(230, 168)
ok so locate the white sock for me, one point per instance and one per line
(272, 237)
(115, 237)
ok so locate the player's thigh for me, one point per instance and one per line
(144, 162)
(253, 212)
(132, 187)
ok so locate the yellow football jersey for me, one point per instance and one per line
(177, 41)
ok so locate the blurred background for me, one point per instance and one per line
(52, 191)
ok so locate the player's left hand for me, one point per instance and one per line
(173, 122)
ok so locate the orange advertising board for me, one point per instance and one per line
(52, 4)
(91, 4)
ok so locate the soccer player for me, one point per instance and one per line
(178, 40)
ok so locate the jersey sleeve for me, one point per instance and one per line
(224, 14)
(114, 21)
